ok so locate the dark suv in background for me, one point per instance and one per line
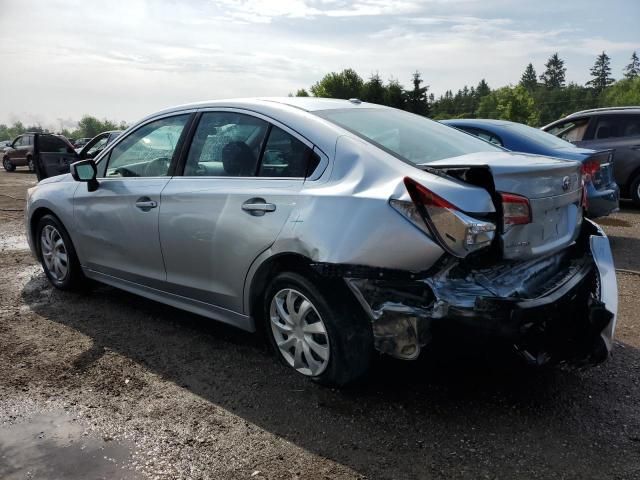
(616, 128)
(51, 153)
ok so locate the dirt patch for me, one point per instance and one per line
(614, 222)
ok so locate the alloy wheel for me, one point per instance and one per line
(31, 165)
(54, 253)
(299, 332)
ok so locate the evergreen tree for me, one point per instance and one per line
(633, 69)
(417, 99)
(302, 93)
(482, 89)
(394, 95)
(553, 76)
(373, 90)
(529, 79)
(601, 72)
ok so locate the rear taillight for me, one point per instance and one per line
(457, 232)
(589, 170)
(515, 209)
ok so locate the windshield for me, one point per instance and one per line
(411, 138)
(538, 136)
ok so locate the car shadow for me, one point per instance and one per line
(625, 252)
(453, 413)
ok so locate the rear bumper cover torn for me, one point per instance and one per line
(560, 309)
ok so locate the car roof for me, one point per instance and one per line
(607, 111)
(308, 104)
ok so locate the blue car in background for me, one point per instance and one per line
(597, 166)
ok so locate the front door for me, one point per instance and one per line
(52, 156)
(241, 181)
(117, 223)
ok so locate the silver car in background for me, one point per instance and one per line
(342, 227)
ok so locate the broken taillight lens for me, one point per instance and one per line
(515, 209)
(457, 232)
(589, 170)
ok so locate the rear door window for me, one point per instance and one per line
(631, 127)
(608, 127)
(286, 156)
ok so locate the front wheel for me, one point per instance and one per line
(57, 255)
(8, 166)
(326, 338)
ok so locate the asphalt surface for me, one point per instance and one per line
(109, 385)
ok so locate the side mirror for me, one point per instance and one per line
(85, 171)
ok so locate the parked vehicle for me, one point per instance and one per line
(597, 166)
(342, 227)
(97, 144)
(616, 128)
(49, 154)
(4, 144)
(81, 142)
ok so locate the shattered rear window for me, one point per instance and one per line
(409, 137)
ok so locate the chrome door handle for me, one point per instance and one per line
(145, 204)
(258, 207)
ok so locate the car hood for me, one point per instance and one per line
(58, 178)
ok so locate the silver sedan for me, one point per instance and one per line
(342, 228)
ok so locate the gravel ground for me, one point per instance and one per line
(109, 385)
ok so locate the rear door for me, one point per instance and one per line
(242, 177)
(622, 134)
(52, 155)
(117, 224)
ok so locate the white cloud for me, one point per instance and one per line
(137, 56)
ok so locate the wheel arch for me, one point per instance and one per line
(36, 216)
(626, 187)
(266, 268)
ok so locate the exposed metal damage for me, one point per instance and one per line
(551, 309)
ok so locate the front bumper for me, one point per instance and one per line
(567, 316)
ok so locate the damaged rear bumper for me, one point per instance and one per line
(560, 309)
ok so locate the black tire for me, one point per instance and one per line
(30, 164)
(8, 166)
(350, 336)
(634, 191)
(74, 279)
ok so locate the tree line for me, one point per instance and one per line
(535, 100)
(87, 127)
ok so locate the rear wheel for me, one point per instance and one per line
(30, 164)
(325, 338)
(57, 255)
(8, 166)
(635, 191)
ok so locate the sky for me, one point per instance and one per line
(124, 59)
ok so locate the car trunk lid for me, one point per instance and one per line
(553, 188)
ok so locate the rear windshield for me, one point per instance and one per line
(538, 136)
(410, 137)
